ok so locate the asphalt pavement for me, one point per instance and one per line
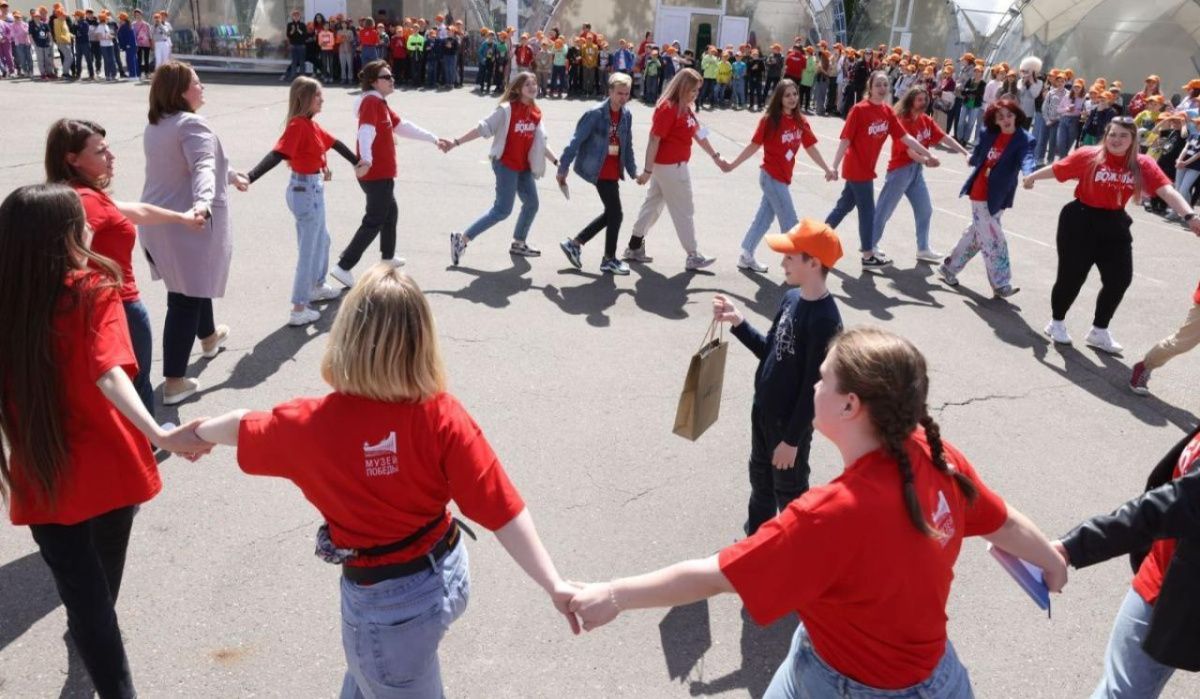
(574, 378)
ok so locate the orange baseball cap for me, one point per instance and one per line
(1193, 84)
(810, 237)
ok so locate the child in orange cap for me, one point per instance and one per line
(790, 357)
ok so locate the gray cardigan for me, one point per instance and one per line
(186, 167)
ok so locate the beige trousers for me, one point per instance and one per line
(670, 185)
(1184, 339)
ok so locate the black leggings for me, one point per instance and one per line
(380, 220)
(188, 318)
(87, 561)
(146, 59)
(1088, 236)
(610, 220)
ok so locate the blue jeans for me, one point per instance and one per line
(558, 79)
(131, 62)
(450, 70)
(391, 630)
(1039, 136)
(968, 121)
(296, 67)
(510, 185)
(1068, 133)
(776, 205)
(306, 201)
(907, 181)
(860, 195)
(138, 320)
(1128, 671)
(739, 92)
(109, 53)
(804, 674)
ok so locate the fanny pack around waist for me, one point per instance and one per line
(327, 551)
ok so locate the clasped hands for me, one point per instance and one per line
(182, 440)
(587, 606)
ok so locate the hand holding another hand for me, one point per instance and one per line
(1027, 183)
(184, 441)
(595, 604)
(362, 168)
(831, 175)
(644, 177)
(241, 182)
(1055, 577)
(561, 595)
(445, 145)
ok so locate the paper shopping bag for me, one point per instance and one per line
(700, 402)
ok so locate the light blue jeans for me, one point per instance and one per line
(510, 185)
(776, 205)
(968, 122)
(1039, 136)
(1068, 133)
(391, 630)
(907, 181)
(306, 199)
(804, 674)
(1128, 672)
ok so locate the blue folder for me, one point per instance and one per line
(1027, 575)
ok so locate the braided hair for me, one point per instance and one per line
(888, 374)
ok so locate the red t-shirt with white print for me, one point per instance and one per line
(782, 144)
(379, 471)
(374, 111)
(921, 127)
(522, 127)
(1110, 184)
(867, 126)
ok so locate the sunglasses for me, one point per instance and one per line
(387, 77)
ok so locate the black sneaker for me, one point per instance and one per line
(875, 262)
(519, 248)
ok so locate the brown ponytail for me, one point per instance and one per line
(889, 376)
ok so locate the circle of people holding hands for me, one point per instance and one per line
(865, 561)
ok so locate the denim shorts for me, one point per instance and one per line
(391, 630)
(805, 674)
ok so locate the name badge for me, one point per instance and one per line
(614, 149)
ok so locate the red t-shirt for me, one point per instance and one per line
(1110, 185)
(524, 56)
(109, 463)
(1149, 579)
(979, 188)
(781, 144)
(522, 126)
(794, 65)
(867, 127)
(676, 130)
(374, 111)
(304, 144)
(924, 129)
(870, 588)
(379, 471)
(399, 46)
(368, 37)
(113, 235)
(611, 169)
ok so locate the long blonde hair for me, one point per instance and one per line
(384, 345)
(684, 80)
(300, 97)
(512, 93)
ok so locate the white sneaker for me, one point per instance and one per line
(208, 350)
(1057, 330)
(746, 261)
(345, 276)
(929, 256)
(697, 260)
(636, 255)
(190, 390)
(397, 262)
(304, 317)
(1102, 339)
(324, 293)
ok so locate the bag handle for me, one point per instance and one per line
(716, 331)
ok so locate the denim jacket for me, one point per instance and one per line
(1017, 159)
(589, 146)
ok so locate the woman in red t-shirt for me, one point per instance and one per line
(77, 154)
(867, 126)
(75, 454)
(781, 133)
(378, 127)
(867, 572)
(518, 156)
(906, 171)
(381, 458)
(1093, 229)
(304, 145)
(668, 154)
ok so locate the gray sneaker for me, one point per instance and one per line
(611, 265)
(458, 245)
(1005, 291)
(947, 276)
(519, 248)
(572, 250)
(697, 260)
(636, 255)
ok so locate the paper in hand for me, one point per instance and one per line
(1027, 575)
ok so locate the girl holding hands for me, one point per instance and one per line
(781, 132)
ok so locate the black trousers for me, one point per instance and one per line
(610, 220)
(771, 489)
(379, 221)
(146, 59)
(87, 561)
(805, 96)
(188, 318)
(754, 93)
(1087, 237)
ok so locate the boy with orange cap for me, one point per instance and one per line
(790, 357)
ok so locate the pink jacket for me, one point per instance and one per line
(141, 34)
